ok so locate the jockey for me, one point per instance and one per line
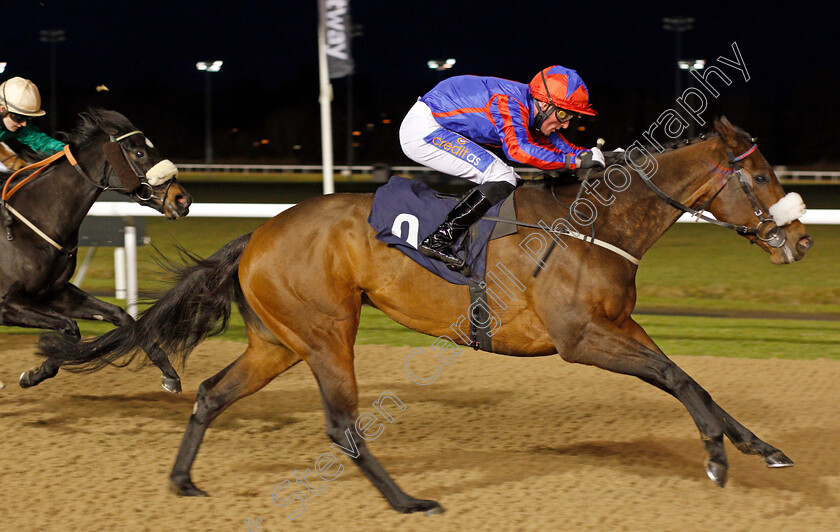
(444, 128)
(20, 101)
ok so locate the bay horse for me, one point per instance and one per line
(301, 279)
(105, 152)
(11, 160)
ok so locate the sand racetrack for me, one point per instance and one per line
(501, 443)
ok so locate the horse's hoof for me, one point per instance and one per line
(170, 385)
(35, 376)
(26, 380)
(778, 459)
(716, 472)
(2, 385)
(435, 510)
(427, 507)
(186, 489)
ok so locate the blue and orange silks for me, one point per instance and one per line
(494, 111)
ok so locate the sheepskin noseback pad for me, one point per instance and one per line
(162, 172)
(115, 157)
(787, 209)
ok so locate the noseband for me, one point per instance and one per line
(131, 178)
(767, 230)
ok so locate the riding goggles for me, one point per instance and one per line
(564, 115)
(19, 119)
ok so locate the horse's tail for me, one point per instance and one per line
(198, 306)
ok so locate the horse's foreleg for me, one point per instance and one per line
(74, 302)
(337, 382)
(606, 346)
(258, 365)
(169, 379)
(740, 436)
(18, 311)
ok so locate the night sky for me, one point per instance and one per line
(145, 52)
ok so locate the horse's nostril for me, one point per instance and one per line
(804, 243)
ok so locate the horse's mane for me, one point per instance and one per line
(573, 179)
(96, 120)
(92, 122)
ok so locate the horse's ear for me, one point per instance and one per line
(726, 131)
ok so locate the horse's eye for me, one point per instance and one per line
(761, 178)
(140, 154)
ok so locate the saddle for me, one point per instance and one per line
(404, 211)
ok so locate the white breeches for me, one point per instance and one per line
(423, 140)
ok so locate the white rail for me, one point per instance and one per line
(788, 176)
(268, 210)
(197, 210)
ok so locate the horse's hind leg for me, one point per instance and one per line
(740, 436)
(337, 381)
(259, 364)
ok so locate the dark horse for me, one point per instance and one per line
(109, 154)
(300, 281)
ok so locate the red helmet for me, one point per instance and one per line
(563, 88)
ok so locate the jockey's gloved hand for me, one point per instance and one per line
(593, 157)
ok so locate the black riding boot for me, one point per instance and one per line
(466, 212)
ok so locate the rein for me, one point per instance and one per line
(776, 236)
(42, 165)
(39, 167)
(573, 234)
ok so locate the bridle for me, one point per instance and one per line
(767, 230)
(131, 183)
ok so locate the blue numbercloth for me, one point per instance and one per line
(406, 211)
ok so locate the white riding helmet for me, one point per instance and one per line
(21, 96)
